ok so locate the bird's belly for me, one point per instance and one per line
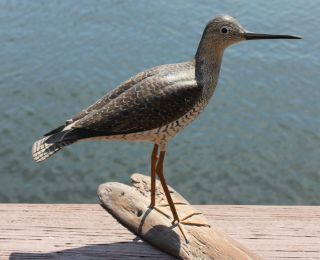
(160, 135)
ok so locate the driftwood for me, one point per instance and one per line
(130, 206)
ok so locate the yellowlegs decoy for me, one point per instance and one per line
(155, 104)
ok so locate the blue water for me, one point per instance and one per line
(258, 142)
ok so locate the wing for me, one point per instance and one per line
(105, 99)
(113, 94)
(161, 70)
(153, 102)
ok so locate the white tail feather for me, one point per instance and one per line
(42, 150)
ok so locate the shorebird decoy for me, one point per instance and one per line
(155, 104)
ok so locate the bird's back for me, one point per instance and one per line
(145, 103)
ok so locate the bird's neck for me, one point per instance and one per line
(208, 62)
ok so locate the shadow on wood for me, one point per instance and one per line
(130, 206)
(90, 252)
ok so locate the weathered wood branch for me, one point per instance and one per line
(130, 206)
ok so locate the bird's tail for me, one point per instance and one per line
(42, 150)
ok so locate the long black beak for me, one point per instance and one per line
(260, 36)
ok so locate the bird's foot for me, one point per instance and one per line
(182, 230)
(181, 222)
(160, 211)
(193, 223)
(157, 208)
(175, 203)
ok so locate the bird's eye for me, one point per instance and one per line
(224, 30)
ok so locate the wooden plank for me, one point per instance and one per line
(86, 231)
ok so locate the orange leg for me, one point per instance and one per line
(154, 159)
(159, 170)
(164, 185)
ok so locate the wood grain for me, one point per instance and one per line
(86, 231)
(130, 206)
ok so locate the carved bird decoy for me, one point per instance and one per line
(155, 105)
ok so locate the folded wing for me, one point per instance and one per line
(152, 103)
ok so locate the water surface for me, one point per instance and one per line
(258, 142)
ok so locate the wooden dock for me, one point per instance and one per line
(86, 231)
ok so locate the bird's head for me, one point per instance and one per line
(224, 30)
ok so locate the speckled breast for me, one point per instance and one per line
(163, 134)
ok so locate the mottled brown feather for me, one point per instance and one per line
(163, 96)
